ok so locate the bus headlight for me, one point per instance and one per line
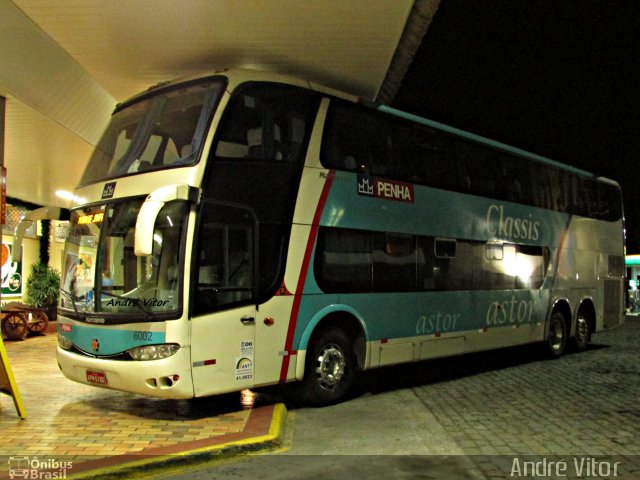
(64, 342)
(154, 352)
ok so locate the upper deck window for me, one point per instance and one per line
(157, 132)
(364, 140)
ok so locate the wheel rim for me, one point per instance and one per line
(556, 334)
(331, 366)
(582, 330)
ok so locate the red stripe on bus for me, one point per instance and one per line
(303, 273)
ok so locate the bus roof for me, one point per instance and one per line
(486, 141)
(237, 76)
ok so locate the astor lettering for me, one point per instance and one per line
(437, 322)
(510, 311)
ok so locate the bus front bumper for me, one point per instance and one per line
(166, 378)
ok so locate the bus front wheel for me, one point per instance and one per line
(557, 339)
(330, 368)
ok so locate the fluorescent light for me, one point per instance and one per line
(64, 194)
(70, 196)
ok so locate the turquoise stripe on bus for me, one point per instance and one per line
(441, 213)
(436, 213)
(396, 315)
(110, 341)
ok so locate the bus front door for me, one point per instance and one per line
(223, 325)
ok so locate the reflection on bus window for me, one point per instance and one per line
(360, 139)
(358, 261)
(102, 273)
(155, 133)
(225, 258)
(264, 124)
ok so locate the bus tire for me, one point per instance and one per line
(556, 342)
(330, 368)
(583, 332)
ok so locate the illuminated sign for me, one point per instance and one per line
(385, 188)
(95, 218)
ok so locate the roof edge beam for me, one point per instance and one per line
(40, 73)
(418, 21)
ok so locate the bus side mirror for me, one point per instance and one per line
(143, 244)
(44, 213)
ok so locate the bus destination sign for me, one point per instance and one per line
(385, 188)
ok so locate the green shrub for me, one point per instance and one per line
(43, 286)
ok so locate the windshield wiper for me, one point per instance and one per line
(73, 299)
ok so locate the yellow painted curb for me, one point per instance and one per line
(272, 440)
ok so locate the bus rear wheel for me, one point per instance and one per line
(557, 340)
(330, 368)
(583, 332)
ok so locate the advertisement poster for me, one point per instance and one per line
(11, 274)
(79, 272)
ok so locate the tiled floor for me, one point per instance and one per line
(86, 424)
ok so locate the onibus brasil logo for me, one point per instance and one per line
(36, 468)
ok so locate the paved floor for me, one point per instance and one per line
(582, 409)
(95, 428)
(496, 415)
(474, 414)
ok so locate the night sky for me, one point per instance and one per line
(560, 78)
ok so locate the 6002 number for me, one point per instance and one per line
(143, 336)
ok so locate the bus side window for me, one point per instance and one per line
(294, 138)
(445, 248)
(343, 260)
(429, 269)
(394, 262)
(349, 141)
(265, 124)
(264, 143)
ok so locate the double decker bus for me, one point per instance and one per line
(245, 229)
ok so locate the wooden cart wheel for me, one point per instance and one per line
(14, 326)
(38, 321)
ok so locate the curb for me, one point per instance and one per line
(129, 465)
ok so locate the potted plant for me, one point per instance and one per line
(43, 289)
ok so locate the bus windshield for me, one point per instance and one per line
(157, 132)
(103, 275)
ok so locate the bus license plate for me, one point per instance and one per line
(96, 377)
